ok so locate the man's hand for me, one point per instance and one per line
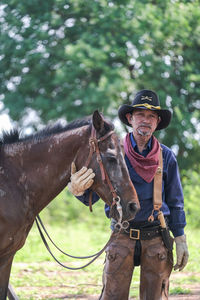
(81, 180)
(182, 253)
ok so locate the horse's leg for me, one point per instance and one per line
(5, 267)
(11, 294)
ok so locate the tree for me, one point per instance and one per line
(68, 58)
(60, 59)
(168, 62)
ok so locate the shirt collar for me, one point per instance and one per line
(133, 142)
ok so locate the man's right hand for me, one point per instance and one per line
(81, 180)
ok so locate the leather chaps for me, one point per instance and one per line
(156, 266)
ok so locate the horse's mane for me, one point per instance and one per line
(13, 136)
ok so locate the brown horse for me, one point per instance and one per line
(33, 170)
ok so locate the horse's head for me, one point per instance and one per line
(112, 182)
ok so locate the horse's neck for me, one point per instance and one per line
(45, 167)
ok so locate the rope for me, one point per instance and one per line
(96, 255)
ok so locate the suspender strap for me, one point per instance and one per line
(157, 188)
(157, 204)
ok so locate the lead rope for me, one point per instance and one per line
(61, 264)
(39, 222)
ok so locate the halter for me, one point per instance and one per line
(94, 148)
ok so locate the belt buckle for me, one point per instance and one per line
(133, 237)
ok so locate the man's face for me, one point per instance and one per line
(143, 122)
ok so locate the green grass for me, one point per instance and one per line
(36, 276)
(179, 291)
(34, 271)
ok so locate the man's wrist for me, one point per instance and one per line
(178, 232)
(180, 239)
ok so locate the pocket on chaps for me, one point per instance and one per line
(115, 257)
(157, 251)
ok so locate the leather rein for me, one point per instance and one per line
(94, 148)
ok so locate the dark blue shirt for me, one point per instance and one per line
(172, 195)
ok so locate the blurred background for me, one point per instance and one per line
(62, 59)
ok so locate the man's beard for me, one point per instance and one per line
(144, 133)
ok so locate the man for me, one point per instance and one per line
(142, 243)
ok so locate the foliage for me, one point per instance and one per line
(191, 190)
(67, 209)
(66, 58)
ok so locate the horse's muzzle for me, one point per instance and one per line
(131, 209)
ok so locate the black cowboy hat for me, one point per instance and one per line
(146, 99)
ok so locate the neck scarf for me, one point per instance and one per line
(144, 166)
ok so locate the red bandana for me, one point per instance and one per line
(144, 166)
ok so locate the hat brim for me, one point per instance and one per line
(164, 114)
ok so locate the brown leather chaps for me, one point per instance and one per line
(156, 267)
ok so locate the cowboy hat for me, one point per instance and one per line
(146, 99)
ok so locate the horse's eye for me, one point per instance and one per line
(112, 159)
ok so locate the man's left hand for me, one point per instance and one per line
(182, 253)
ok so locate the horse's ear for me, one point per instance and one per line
(98, 121)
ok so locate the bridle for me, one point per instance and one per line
(94, 148)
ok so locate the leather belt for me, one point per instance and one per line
(144, 233)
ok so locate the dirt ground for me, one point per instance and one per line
(59, 292)
(195, 294)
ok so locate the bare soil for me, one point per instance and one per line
(59, 292)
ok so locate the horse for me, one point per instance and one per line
(36, 168)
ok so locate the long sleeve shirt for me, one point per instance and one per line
(172, 194)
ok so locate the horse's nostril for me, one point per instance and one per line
(132, 207)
